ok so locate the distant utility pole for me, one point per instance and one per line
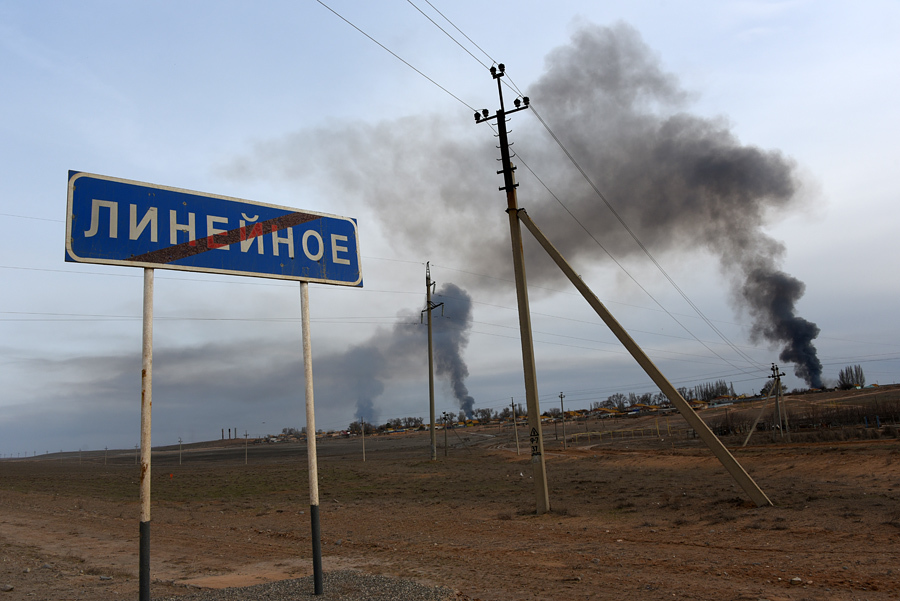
(531, 393)
(781, 417)
(563, 412)
(515, 426)
(446, 417)
(245, 445)
(428, 308)
(179, 450)
(769, 391)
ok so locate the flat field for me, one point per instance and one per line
(634, 516)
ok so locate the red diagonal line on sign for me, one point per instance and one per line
(201, 245)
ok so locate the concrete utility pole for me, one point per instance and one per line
(715, 445)
(428, 308)
(515, 230)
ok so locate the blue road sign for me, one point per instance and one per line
(119, 222)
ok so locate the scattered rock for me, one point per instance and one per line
(795, 581)
(105, 577)
(6, 588)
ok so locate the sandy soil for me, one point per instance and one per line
(632, 518)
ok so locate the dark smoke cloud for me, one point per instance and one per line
(360, 374)
(771, 294)
(450, 336)
(683, 182)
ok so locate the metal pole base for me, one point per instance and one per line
(144, 562)
(318, 576)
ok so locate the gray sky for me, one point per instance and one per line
(726, 134)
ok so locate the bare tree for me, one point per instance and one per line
(483, 415)
(851, 377)
(616, 401)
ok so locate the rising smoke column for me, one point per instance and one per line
(450, 336)
(679, 180)
(683, 182)
(360, 374)
(773, 295)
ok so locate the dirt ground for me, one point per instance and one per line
(632, 518)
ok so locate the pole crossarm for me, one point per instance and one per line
(703, 431)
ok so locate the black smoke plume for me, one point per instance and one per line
(450, 336)
(679, 180)
(684, 183)
(773, 295)
(361, 373)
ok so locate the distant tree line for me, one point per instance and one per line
(849, 377)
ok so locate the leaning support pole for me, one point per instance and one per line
(146, 405)
(318, 576)
(699, 426)
(759, 416)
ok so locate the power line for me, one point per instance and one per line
(395, 55)
(628, 273)
(461, 32)
(640, 244)
(511, 85)
(445, 31)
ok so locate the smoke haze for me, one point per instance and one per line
(682, 182)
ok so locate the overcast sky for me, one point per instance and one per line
(741, 142)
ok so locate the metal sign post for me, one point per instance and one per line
(311, 443)
(114, 221)
(146, 406)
